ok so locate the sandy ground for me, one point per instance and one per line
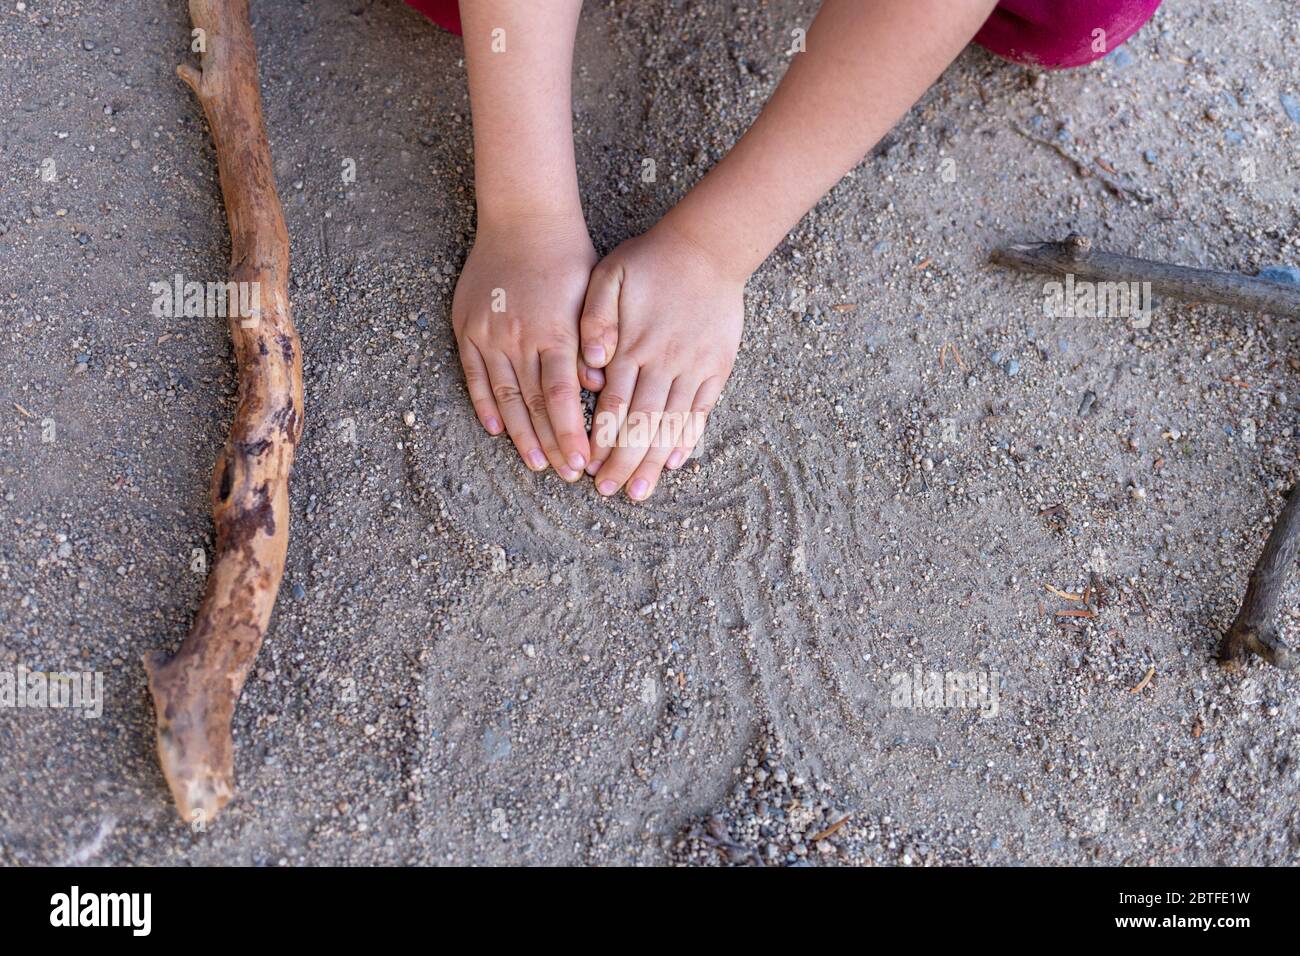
(471, 665)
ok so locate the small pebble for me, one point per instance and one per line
(1288, 275)
(1291, 105)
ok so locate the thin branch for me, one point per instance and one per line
(1255, 630)
(1075, 256)
(195, 692)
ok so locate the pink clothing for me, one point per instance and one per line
(1049, 34)
(1058, 34)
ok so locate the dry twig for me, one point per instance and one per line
(195, 692)
(1075, 256)
(1254, 631)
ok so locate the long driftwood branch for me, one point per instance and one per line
(196, 690)
(1075, 256)
(1255, 629)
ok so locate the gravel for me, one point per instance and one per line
(470, 664)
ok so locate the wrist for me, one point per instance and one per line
(716, 247)
(558, 219)
(720, 247)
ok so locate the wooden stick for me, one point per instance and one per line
(1075, 256)
(1254, 630)
(195, 692)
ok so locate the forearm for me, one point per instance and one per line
(519, 55)
(867, 62)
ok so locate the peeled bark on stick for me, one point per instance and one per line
(195, 691)
(1075, 256)
(1254, 631)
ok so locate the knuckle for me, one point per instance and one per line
(506, 394)
(560, 391)
(536, 404)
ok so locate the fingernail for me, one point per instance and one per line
(675, 458)
(577, 462)
(640, 488)
(537, 459)
(594, 467)
(607, 487)
(569, 475)
(494, 426)
(594, 354)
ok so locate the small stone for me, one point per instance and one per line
(88, 44)
(1120, 58)
(1291, 105)
(1287, 275)
(409, 418)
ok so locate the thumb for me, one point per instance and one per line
(599, 326)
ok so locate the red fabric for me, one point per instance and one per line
(1050, 34)
(1058, 34)
(445, 13)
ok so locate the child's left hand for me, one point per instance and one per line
(663, 321)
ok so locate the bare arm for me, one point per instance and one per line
(664, 311)
(519, 55)
(867, 62)
(519, 296)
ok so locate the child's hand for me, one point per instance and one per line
(668, 321)
(515, 314)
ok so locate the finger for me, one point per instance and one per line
(529, 372)
(598, 327)
(672, 431)
(480, 388)
(638, 432)
(611, 412)
(705, 400)
(592, 379)
(510, 400)
(564, 407)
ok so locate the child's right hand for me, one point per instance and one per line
(515, 315)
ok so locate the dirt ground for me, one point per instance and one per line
(472, 665)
